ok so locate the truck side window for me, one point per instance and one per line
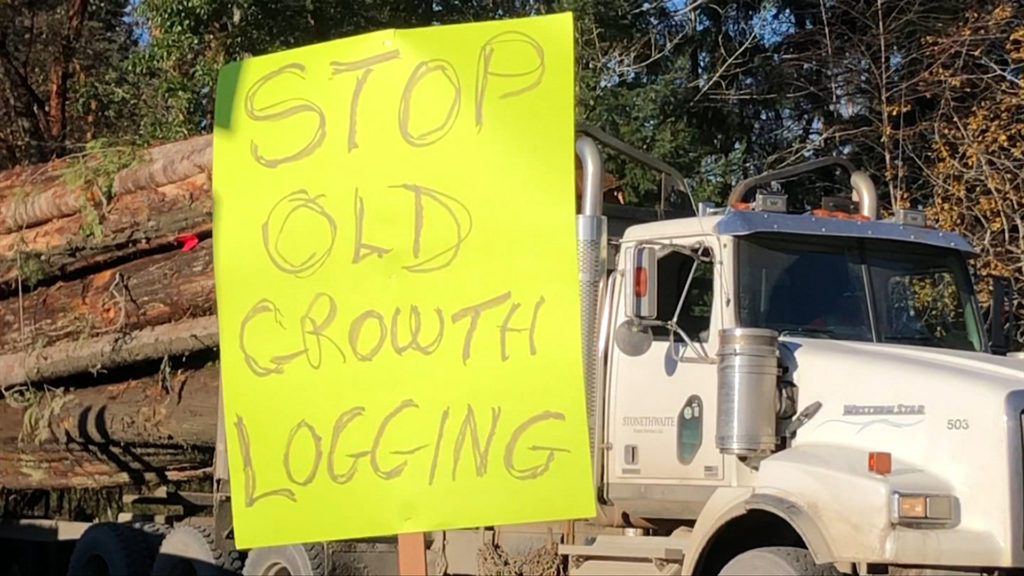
(695, 316)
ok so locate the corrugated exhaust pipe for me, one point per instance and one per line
(592, 252)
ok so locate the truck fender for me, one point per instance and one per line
(730, 503)
(804, 524)
(724, 505)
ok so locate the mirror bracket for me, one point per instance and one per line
(1000, 316)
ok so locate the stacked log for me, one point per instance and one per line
(108, 334)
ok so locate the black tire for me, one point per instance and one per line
(110, 549)
(291, 560)
(776, 561)
(10, 559)
(192, 551)
(156, 530)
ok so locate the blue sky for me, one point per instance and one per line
(141, 31)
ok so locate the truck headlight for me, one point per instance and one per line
(923, 510)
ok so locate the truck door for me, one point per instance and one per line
(662, 402)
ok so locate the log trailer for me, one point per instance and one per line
(769, 391)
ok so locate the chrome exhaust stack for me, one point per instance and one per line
(592, 253)
(864, 194)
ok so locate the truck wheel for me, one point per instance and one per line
(776, 561)
(156, 530)
(109, 549)
(9, 559)
(291, 560)
(192, 551)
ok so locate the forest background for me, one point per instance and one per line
(925, 95)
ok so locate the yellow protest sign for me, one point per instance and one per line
(396, 283)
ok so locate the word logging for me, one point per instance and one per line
(305, 473)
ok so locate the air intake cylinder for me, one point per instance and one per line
(748, 372)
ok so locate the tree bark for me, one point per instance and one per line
(166, 164)
(147, 292)
(37, 195)
(143, 212)
(100, 467)
(107, 352)
(29, 177)
(143, 220)
(39, 201)
(168, 408)
(60, 68)
(28, 108)
(158, 428)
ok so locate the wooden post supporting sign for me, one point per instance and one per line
(412, 554)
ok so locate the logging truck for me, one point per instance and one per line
(769, 391)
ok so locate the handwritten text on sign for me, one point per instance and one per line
(397, 286)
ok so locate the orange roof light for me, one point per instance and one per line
(821, 213)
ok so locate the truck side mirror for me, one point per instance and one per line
(643, 279)
(634, 337)
(1000, 316)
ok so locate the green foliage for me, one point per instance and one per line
(721, 89)
(93, 173)
(636, 76)
(36, 40)
(643, 70)
(164, 89)
(96, 168)
(31, 268)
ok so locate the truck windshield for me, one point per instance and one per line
(852, 289)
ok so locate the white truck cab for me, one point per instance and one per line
(768, 392)
(780, 393)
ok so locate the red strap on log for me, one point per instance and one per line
(188, 241)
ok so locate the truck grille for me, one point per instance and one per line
(1014, 419)
(1015, 483)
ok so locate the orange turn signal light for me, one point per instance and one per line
(913, 507)
(880, 462)
(640, 283)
